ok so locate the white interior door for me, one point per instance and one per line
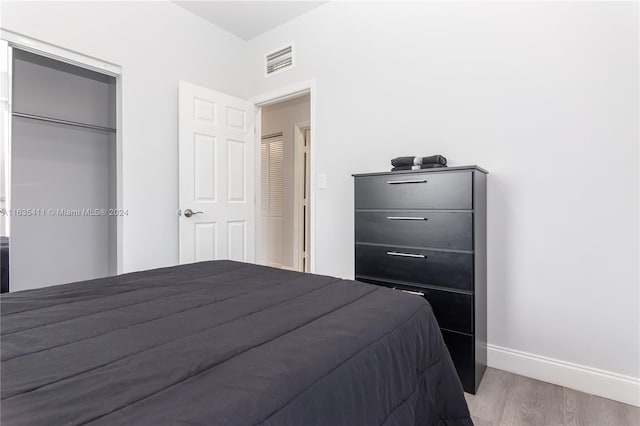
(216, 176)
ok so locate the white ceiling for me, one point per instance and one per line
(248, 19)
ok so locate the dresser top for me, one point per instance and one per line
(437, 169)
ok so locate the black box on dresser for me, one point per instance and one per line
(425, 231)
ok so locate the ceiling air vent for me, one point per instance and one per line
(278, 61)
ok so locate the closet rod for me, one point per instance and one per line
(65, 122)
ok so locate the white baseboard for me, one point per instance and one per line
(602, 383)
(288, 268)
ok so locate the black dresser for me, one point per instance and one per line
(425, 231)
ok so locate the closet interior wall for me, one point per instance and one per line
(63, 173)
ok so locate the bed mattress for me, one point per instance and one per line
(224, 343)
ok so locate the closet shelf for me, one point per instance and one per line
(65, 122)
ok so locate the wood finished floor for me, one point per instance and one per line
(511, 400)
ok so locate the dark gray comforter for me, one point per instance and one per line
(224, 343)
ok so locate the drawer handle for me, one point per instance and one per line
(396, 182)
(417, 256)
(417, 293)
(406, 218)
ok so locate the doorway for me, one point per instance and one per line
(284, 184)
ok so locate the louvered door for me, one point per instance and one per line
(271, 201)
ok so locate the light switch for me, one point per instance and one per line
(322, 181)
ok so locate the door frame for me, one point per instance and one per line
(283, 94)
(299, 130)
(62, 54)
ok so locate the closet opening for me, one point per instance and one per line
(59, 172)
(284, 227)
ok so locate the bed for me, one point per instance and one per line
(224, 343)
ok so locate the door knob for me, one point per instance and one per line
(189, 213)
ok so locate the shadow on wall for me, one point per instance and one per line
(499, 263)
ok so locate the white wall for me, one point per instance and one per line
(545, 96)
(282, 117)
(156, 44)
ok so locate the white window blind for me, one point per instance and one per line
(264, 179)
(272, 178)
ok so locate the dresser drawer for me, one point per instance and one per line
(454, 311)
(415, 266)
(441, 190)
(417, 228)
